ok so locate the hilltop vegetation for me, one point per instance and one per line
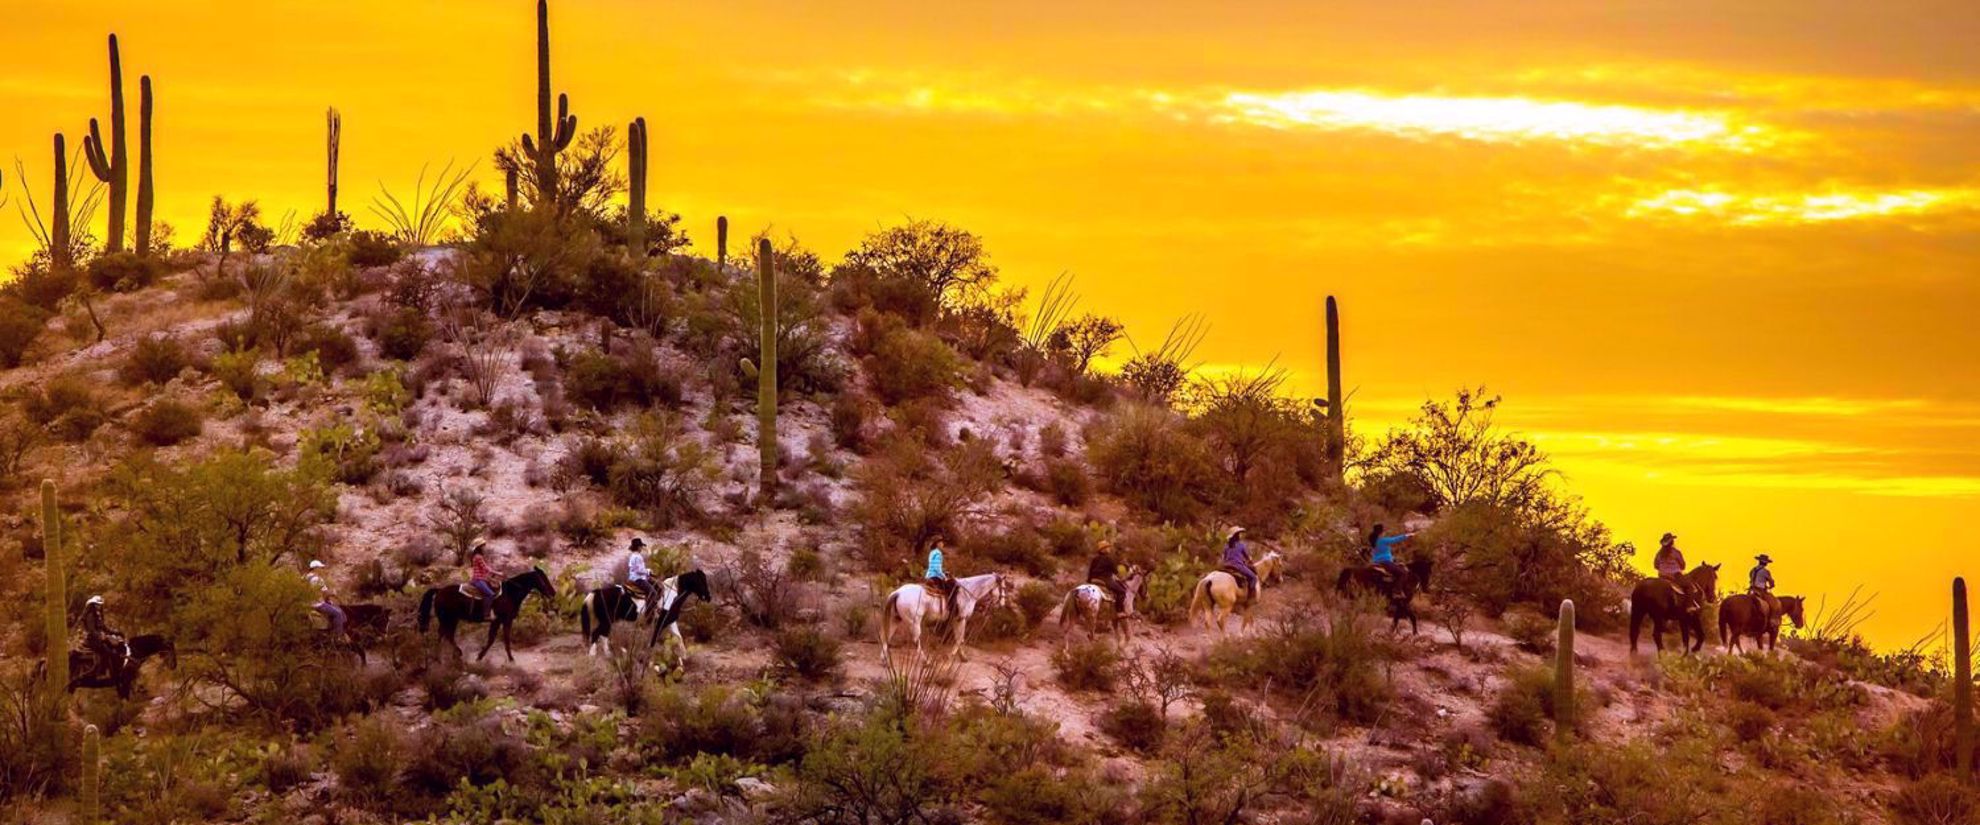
(552, 373)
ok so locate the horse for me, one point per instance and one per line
(1744, 615)
(452, 607)
(910, 604)
(363, 624)
(1227, 596)
(136, 650)
(1400, 591)
(673, 597)
(1083, 604)
(621, 603)
(1659, 600)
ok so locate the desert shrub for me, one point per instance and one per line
(906, 364)
(20, 324)
(764, 594)
(40, 285)
(402, 333)
(1036, 795)
(1019, 547)
(1940, 799)
(167, 422)
(124, 272)
(806, 651)
(849, 416)
(1531, 632)
(465, 744)
(1633, 782)
(1335, 664)
(662, 473)
(679, 723)
(1035, 602)
(908, 494)
(1521, 710)
(334, 350)
(605, 382)
(368, 249)
(154, 359)
(1147, 456)
(238, 371)
(880, 769)
(1067, 482)
(1092, 666)
(68, 405)
(350, 451)
(1135, 724)
(284, 767)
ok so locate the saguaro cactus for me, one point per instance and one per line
(766, 379)
(721, 242)
(58, 223)
(109, 162)
(1336, 409)
(92, 776)
(57, 593)
(1564, 673)
(553, 134)
(1962, 684)
(636, 187)
(334, 142)
(509, 184)
(143, 228)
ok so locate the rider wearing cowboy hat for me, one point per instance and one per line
(1670, 567)
(1237, 557)
(103, 643)
(1105, 571)
(637, 576)
(324, 604)
(937, 576)
(1760, 584)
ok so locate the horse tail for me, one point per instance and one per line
(426, 608)
(1066, 609)
(888, 616)
(1635, 621)
(1725, 627)
(1341, 584)
(584, 616)
(1196, 595)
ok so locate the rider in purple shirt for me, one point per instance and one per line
(1237, 557)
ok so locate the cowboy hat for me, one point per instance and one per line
(316, 565)
(1669, 537)
(1763, 558)
(1232, 533)
(1105, 544)
(94, 600)
(637, 543)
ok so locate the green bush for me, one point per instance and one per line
(124, 272)
(334, 350)
(369, 249)
(1939, 799)
(906, 364)
(807, 652)
(1093, 666)
(1146, 455)
(369, 758)
(662, 473)
(1521, 710)
(1335, 664)
(1136, 724)
(68, 405)
(402, 333)
(1067, 482)
(155, 359)
(465, 744)
(167, 422)
(239, 372)
(20, 324)
(605, 382)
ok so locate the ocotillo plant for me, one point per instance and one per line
(766, 379)
(143, 228)
(109, 162)
(333, 141)
(57, 594)
(553, 135)
(58, 231)
(92, 776)
(1962, 684)
(1336, 411)
(1564, 673)
(721, 242)
(636, 187)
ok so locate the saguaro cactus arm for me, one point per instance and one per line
(1564, 709)
(1962, 684)
(1336, 409)
(144, 193)
(89, 803)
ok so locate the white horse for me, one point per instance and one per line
(911, 604)
(621, 603)
(1084, 604)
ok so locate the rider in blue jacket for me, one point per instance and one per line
(1381, 551)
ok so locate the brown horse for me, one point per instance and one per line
(1398, 590)
(125, 673)
(453, 607)
(1744, 615)
(1660, 601)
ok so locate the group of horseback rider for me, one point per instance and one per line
(1670, 566)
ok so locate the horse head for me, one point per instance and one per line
(1420, 569)
(1792, 606)
(695, 582)
(1706, 578)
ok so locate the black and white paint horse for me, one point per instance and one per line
(620, 603)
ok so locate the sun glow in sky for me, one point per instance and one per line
(1723, 266)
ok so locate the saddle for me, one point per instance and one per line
(106, 666)
(1251, 590)
(478, 606)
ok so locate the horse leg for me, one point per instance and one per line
(1657, 632)
(962, 625)
(506, 650)
(493, 628)
(674, 633)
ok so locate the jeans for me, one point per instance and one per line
(336, 615)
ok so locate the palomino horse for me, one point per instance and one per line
(1744, 615)
(1084, 605)
(1227, 596)
(136, 650)
(1399, 590)
(910, 604)
(1660, 600)
(453, 607)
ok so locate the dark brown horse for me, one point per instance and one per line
(1660, 601)
(453, 607)
(364, 624)
(1744, 615)
(1398, 590)
(139, 648)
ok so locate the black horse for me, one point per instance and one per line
(453, 607)
(1660, 601)
(619, 603)
(125, 673)
(1398, 590)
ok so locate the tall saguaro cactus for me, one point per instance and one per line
(59, 250)
(143, 228)
(553, 134)
(636, 187)
(57, 594)
(1564, 674)
(509, 187)
(333, 141)
(721, 242)
(1336, 409)
(766, 374)
(110, 163)
(1962, 684)
(92, 776)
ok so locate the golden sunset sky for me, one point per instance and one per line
(1723, 260)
